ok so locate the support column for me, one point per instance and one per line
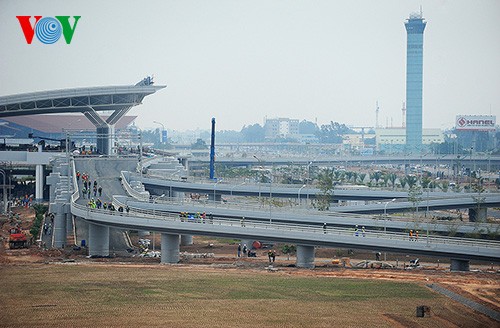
(169, 248)
(69, 223)
(305, 257)
(105, 139)
(478, 214)
(459, 265)
(186, 240)
(59, 230)
(98, 240)
(39, 182)
(218, 197)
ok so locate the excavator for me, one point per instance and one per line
(18, 239)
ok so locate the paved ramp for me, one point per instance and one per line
(107, 172)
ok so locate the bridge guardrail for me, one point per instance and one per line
(210, 204)
(133, 193)
(431, 239)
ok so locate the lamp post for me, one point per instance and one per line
(154, 201)
(140, 152)
(270, 189)
(307, 181)
(171, 175)
(232, 188)
(385, 222)
(161, 132)
(385, 214)
(215, 184)
(4, 192)
(298, 194)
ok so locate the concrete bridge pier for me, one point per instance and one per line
(39, 182)
(186, 240)
(52, 180)
(169, 248)
(459, 265)
(305, 257)
(218, 197)
(98, 242)
(478, 214)
(69, 223)
(105, 134)
(59, 228)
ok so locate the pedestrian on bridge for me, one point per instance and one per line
(363, 231)
(356, 231)
(99, 190)
(324, 229)
(416, 235)
(410, 235)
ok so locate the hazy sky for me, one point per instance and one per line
(240, 61)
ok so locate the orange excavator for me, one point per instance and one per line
(17, 238)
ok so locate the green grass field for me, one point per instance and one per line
(95, 295)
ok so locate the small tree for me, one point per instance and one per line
(415, 197)
(288, 249)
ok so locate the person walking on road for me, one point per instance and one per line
(239, 250)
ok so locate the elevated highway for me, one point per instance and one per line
(305, 217)
(483, 161)
(307, 237)
(429, 201)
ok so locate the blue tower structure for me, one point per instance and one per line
(415, 26)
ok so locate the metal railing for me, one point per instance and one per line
(368, 235)
(133, 193)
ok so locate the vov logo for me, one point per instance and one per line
(48, 29)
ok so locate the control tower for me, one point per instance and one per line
(415, 26)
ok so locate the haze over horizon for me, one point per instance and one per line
(243, 61)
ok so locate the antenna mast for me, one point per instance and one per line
(376, 116)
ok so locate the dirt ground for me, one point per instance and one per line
(482, 284)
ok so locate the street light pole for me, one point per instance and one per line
(270, 189)
(171, 180)
(215, 184)
(232, 188)
(385, 214)
(161, 132)
(385, 222)
(307, 182)
(298, 194)
(4, 192)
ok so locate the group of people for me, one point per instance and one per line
(89, 187)
(356, 231)
(197, 217)
(413, 235)
(245, 251)
(94, 202)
